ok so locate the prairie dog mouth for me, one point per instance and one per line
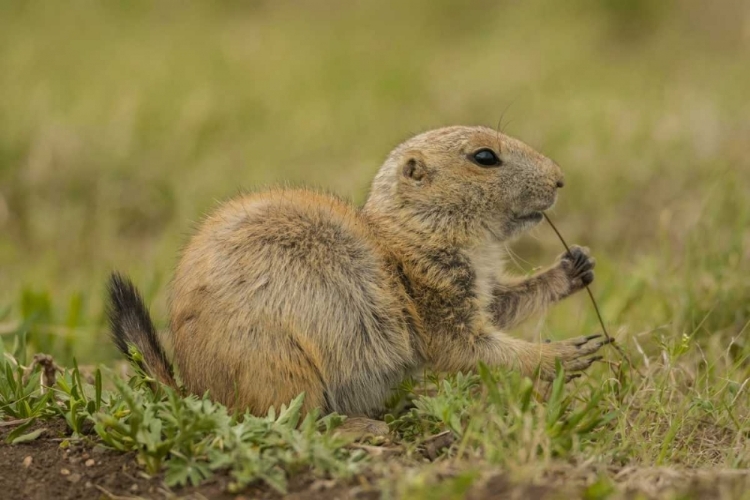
(529, 217)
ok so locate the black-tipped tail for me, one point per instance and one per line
(131, 324)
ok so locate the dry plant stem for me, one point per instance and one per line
(49, 370)
(596, 306)
(14, 423)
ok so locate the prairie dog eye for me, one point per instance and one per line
(486, 158)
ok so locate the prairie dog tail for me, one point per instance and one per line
(131, 323)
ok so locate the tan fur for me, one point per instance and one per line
(287, 291)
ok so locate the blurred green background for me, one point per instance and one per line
(122, 122)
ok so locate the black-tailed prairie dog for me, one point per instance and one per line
(289, 290)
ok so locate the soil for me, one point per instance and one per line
(43, 469)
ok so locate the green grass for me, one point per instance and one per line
(121, 123)
(608, 421)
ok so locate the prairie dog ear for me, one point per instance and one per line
(413, 168)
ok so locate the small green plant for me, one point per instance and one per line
(496, 413)
(189, 438)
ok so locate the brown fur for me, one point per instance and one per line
(290, 290)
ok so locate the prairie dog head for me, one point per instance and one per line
(466, 182)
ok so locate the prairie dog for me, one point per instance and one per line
(290, 290)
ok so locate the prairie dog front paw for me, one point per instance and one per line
(573, 354)
(578, 266)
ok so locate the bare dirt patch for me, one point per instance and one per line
(44, 469)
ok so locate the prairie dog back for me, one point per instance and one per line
(288, 292)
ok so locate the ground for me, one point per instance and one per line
(42, 470)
